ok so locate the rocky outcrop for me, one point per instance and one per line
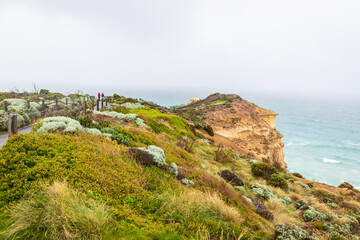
(248, 126)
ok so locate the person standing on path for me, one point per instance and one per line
(102, 95)
(99, 96)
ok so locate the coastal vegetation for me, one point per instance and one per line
(136, 170)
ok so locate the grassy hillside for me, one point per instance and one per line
(113, 178)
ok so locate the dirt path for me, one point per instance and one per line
(4, 137)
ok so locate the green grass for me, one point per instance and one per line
(100, 169)
(178, 126)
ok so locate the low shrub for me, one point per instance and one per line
(319, 225)
(346, 185)
(141, 156)
(52, 124)
(231, 177)
(285, 231)
(173, 169)
(187, 182)
(313, 215)
(263, 170)
(335, 236)
(157, 153)
(262, 191)
(57, 212)
(277, 180)
(118, 135)
(85, 121)
(297, 175)
(262, 210)
(209, 130)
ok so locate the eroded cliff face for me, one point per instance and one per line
(249, 127)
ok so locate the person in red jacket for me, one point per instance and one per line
(99, 96)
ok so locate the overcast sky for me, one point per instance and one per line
(294, 47)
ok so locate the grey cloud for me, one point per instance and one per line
(305, 47)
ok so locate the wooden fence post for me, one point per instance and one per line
(97, 104)
(102, 103)
(12, 127)
(56, 102)
(43, 108)
(5, 106)
(28, 104)
(84, 111)
(106, 101)
(92, 104)
(66, 101)
(72, 106)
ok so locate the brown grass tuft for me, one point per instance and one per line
(281, 213)
(189, 203)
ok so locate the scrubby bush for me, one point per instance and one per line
(319, 225)
(141, 156)
(231, 177)
(293, 232)
(117, 135)
(302, 204)
(44, 91)
(311, 215)
(85, 121)
(346, 185)
(209, 130)
(262, 191)
(173, 169)
(262, 210)
(132, 106)
(128, 117)
(286, 200)
(277, 180)
(297, 175)
(263, 170)
(187, 182)
(157, 153)
(93, 131)
(57, 212)
(335, 236)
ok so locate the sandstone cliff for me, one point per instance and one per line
(249, 127)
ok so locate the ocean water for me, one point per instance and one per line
(321, 136)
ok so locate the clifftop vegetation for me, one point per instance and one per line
(138, 171)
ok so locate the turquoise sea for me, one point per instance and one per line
(321, 136)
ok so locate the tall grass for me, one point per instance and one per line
(193, 203)
(57, 212)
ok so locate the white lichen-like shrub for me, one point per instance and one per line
(121, 116)
(140, 122)
(173, 169)
(112, 106)
(263, 191)
(157, 153)
(94, 131)
(132, 106)
(64, 124)
(3, 120)
(187, 182)
(19, 107)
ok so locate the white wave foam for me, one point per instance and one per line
(296, 144)
(327, 160)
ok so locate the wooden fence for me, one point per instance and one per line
(87, 103)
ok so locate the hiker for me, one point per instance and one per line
(102, 95)
(99, 96)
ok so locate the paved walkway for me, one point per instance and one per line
(4, 137)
